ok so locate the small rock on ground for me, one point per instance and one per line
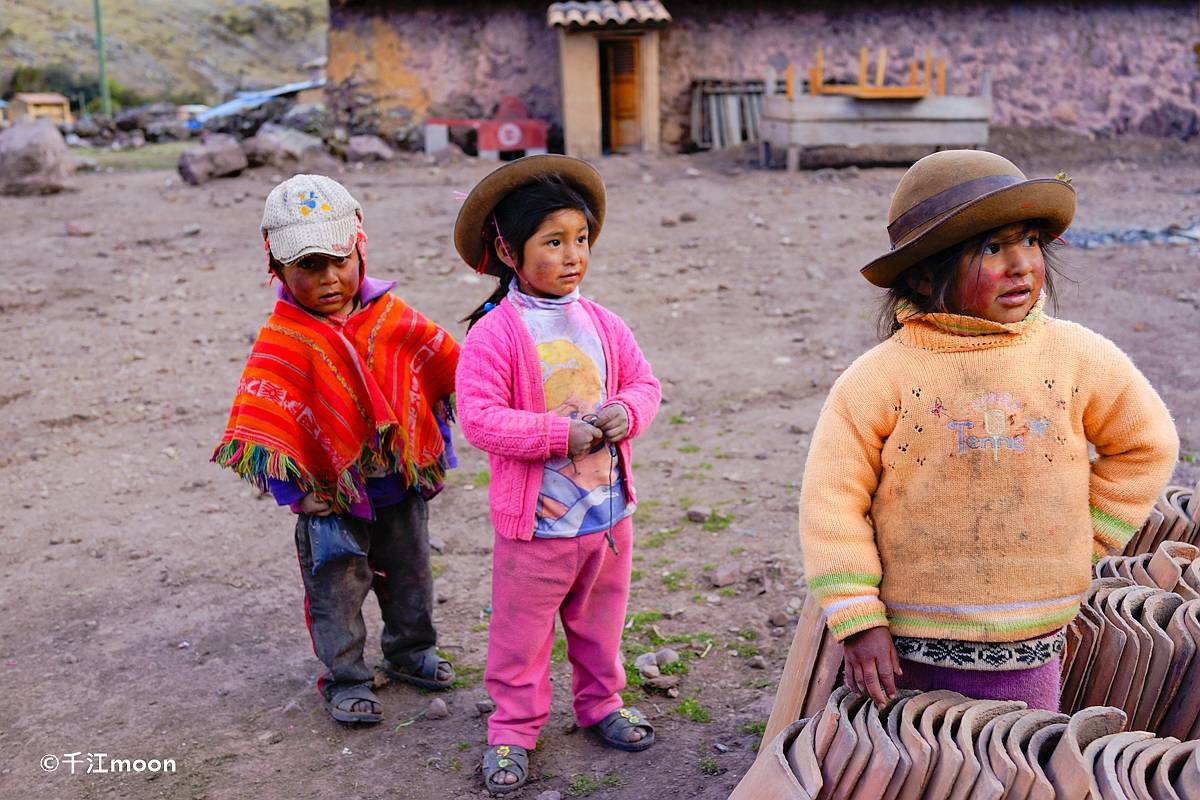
(437, 709)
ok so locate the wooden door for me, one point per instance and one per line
(624, 94)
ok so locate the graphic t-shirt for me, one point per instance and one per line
(585, 494)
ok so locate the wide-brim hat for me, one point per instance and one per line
(478, 207)
(951, 196)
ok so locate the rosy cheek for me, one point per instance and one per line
(978, 290)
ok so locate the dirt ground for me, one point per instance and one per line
(151, 602)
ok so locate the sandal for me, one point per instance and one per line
(507, 758)
(422, 673)
(612, 728)
(341, 704)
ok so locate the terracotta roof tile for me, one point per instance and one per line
(607, 13)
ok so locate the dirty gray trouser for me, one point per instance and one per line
(397, 567)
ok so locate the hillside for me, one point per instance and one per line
(168, 47)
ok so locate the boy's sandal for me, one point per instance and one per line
(505, 758)
(422, 672)
(343, 699)
(612, 729)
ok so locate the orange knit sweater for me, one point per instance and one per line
(948, 491)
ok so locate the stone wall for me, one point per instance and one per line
(419, 59)
(1108, 68)
(1104, 67)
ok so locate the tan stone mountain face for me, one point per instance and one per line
(206, 47)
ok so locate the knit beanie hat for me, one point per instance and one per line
(310, 214)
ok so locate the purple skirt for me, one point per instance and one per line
(1038, 687)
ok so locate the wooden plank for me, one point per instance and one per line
(877, 92)
(881, 66)
(835, 108)
(864, 58)
(733, 120)
(798, 669)
(941, 77)
(928, 66)
(853, 133)
(791, 81)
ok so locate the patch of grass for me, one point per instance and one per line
(744, 650)
(749, 634)
(736, 551)
(635, 576)
(479, 627)
(717, 522)
(709, 766)
(697, 598)
(664, 561)
(686, 502)
(558, 653)
(727, 591)
(160, 155)
(582, 785)
(704, 465)
(631, 696)
(454, 765)
(689, 448)
(676, 580)
(640, 619)
(481, 479)
(438, 568)
(757, 727)
(659, 538)
(645, 512)
(679, 667)
(466, 675)
(678, 419)
(463, 746)
(690, 708)
(707, 567)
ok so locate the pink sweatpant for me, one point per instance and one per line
(581, 580)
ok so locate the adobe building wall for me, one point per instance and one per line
(1105, 67)
(1102, 67)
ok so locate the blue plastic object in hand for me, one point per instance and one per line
(330, 540)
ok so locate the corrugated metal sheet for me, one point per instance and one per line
(607, 13)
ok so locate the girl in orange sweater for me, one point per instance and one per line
(950, 513)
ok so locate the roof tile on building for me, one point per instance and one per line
(607, 13)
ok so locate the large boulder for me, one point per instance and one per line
(141, 116)
(217, 155)
(311, 118)
(365, 147)
(34, 159)
(278, 145)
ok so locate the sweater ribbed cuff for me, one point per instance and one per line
(850, 601)
(1113, 532)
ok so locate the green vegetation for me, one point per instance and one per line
(676, 580)
(717, 522)
(635, 576)
(757, 727)
(709, 766)
(678, 419)
(582, 785)
(481, 479)
(690, 708)
(160, 155)
(659, 538)
(558, 653)
(689, 448)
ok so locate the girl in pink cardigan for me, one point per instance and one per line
(553, 387)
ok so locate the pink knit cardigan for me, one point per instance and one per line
(502, 407)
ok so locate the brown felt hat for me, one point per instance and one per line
(477, 208)
(948, 197)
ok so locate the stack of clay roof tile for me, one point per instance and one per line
(814, 662)
(1174, 518)
(942, 745)
(1134, 643)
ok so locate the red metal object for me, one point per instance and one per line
(511, 130)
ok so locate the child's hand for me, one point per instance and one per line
(613, 421)
(309, 504)
(872, 664)
(583, 438)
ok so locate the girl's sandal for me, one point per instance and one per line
(505, 758)
(612, 729)
(422, 673)
(341, 704)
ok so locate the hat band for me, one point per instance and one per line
(944, 201)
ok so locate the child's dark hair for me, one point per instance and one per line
(516, 218)
(942, 267)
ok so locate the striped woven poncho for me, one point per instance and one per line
(322, 403)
